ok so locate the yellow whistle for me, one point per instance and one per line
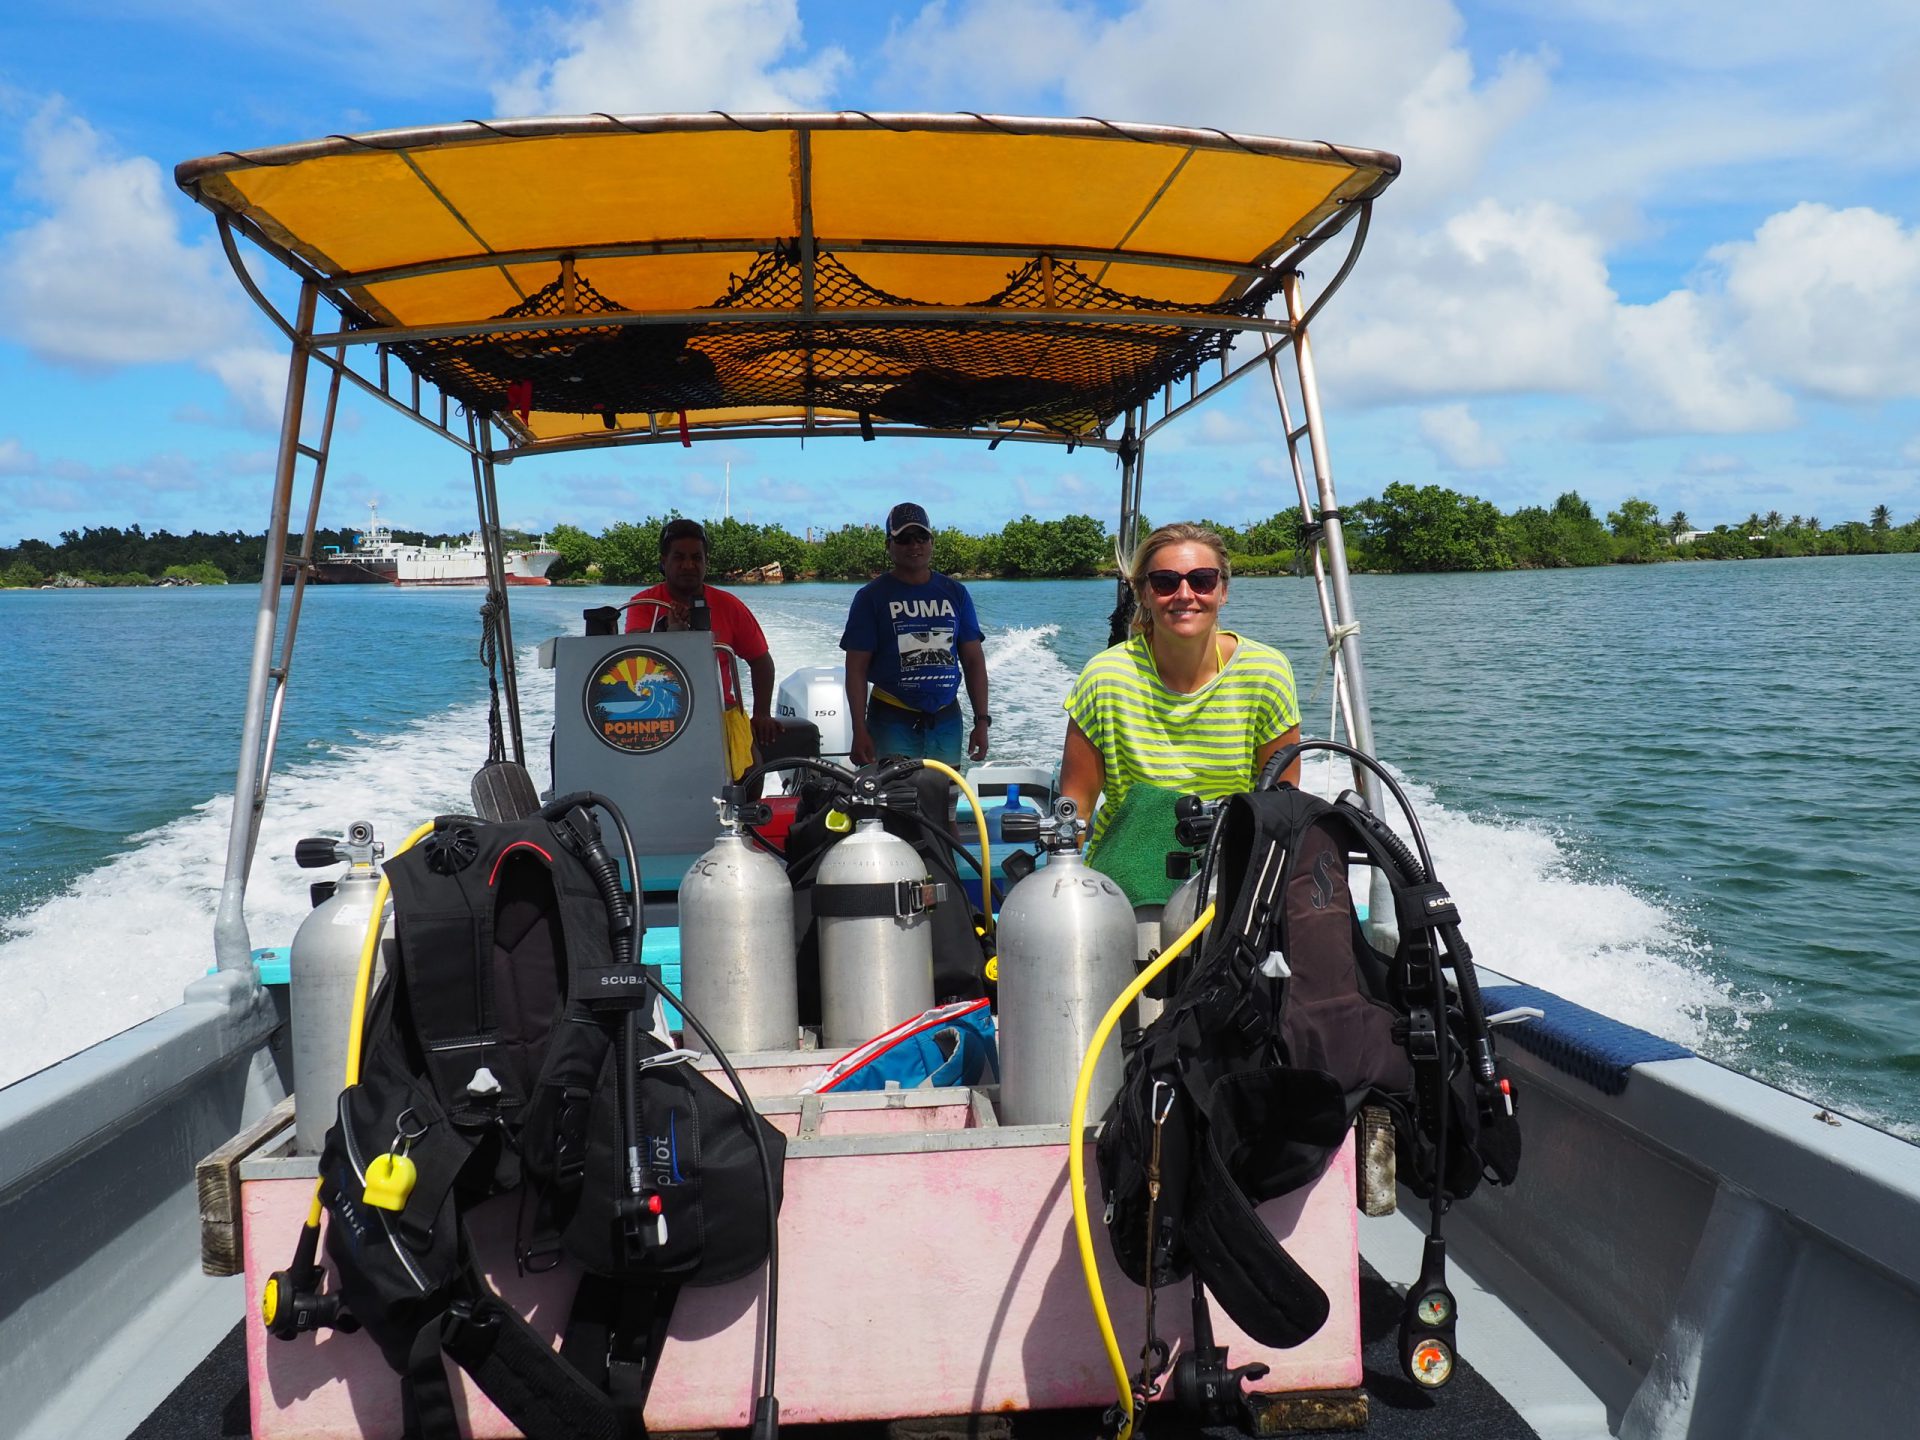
(993, 968)
(389, 1181)
(839, 822)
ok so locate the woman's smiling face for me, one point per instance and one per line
(1186, 611)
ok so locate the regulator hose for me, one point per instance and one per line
(766, 1421)
(1077, 1160)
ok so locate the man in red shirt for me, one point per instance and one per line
(684, 601)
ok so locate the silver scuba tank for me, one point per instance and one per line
(876, 956)
(1181, 907)
(737, 947)
(322, 964)
(1067, 950)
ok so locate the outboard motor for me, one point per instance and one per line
(323, 962)
(1066, 951)
(736, 941)
(871, 897)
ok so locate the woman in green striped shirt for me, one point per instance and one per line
(1182, 705)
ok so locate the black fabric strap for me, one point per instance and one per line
(543, 1395)
(858, 901)
(614, 1338)
(426, 1399)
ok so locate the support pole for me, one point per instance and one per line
(232, 948)
(1307, 507)
(1334, 535)
(487, 498)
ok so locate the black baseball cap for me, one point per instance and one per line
(907, 516)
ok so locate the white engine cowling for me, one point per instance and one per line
(819, 693)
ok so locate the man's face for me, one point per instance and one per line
(685, 567)
(911, 549)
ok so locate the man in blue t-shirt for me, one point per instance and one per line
(913, 634)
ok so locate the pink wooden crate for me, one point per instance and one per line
(920, 1274)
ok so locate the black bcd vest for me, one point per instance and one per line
(485, 1061)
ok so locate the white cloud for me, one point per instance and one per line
(256, 380)
(1676, 373)
(1829, 300)
(16, 459)
(1458, 440)
(1496, 300)
(103, 277)
(650, 56)
(1388, 74)
(1714, 463)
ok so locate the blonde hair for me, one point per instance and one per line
(1135, 568)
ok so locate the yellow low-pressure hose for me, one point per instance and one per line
(1077, 1164)
(363, 982)
(980, 821)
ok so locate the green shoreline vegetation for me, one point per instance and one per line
(1407, 529)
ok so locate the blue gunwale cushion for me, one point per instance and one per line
(1585, 1044)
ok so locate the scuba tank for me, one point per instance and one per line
(1067, 943)
(876, 938)
(322, 965)
(737, 942)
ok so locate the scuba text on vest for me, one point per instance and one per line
(629, 1159)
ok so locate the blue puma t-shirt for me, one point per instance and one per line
(915, 633)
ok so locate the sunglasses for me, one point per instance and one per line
(1201, 582)
(912, 537)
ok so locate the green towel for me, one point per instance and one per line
(1132, 851)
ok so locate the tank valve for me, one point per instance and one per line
(1054, 834)
(358, 848)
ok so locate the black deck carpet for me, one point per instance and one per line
(211, 1403)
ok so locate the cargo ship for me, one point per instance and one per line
(378, 559)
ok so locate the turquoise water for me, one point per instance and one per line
(1680, 794)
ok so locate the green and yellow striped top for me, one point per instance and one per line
(1199, 744)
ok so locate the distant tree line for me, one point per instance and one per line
(1429, 527)
(1405, 529)
(107, 555)
(628, 553)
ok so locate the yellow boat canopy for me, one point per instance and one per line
(617, 277)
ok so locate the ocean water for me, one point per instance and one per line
(1685, 795)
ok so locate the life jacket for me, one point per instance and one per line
(490, 1061)
(1273, 1038)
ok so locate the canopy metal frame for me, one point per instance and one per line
(341, 353)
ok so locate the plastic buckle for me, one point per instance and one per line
(466, 1335)
(570, 1136)
(1423, 1037)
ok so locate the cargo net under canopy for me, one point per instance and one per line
(952, 372)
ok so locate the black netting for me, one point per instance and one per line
(950, 373)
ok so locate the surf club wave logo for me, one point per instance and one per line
(639, 701)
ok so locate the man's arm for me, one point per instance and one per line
(766, 729)
(973, 666)
(857, 663)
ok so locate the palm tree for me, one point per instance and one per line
(1753, 522)
(1678, 524)
(1813, 524)
(1794, 524)
(1772, 522)
(1882, 518)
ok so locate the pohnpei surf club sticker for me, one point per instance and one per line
(639, 700)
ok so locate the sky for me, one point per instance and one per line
(1636, 249)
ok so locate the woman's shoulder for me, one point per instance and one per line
(1122, 659)
(1257, 653)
